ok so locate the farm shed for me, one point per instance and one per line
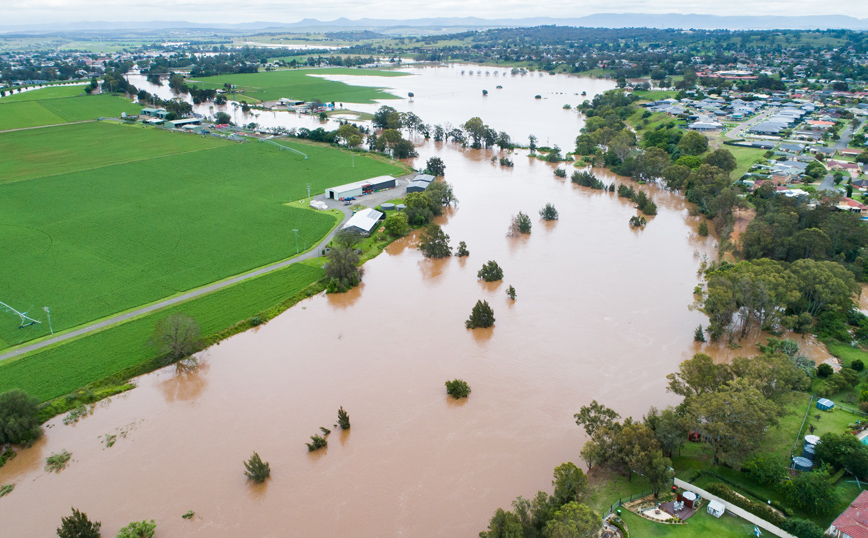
(363, 221)
(359, 188)
(417, 186)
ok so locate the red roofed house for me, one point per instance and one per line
(853, 522)
(848, 204)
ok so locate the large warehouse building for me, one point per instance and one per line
(420, 183)
(359, 188)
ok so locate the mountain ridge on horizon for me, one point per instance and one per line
(596, 20)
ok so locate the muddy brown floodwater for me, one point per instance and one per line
(601, 314)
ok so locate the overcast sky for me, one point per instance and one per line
(233, 11)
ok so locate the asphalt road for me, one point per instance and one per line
(372, 200)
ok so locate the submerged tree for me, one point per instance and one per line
(490, 272)
(78, 526)
(462, 250)
(434, 242)
(457, 388)
(482, 316)
(510, 292)
(520, 224)
(256, 469)
(342, 269)
(435, 166)
(549, 212)
(316, 442)
(138, 529)
(343, 419)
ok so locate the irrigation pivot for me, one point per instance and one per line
(26, 321)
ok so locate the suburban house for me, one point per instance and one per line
(853, 522)
(848, 204)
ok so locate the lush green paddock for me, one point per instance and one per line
(30, 113)
(92, 243)
(48, 92)
(297, 84)
(65, 149)
(59, 370)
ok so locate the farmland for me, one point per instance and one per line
(18, 113)
(297, 84)
(136, 222)
(59, 370)
(49, 92)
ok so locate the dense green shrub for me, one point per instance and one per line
(857, 365)
(457, 388)
(397, 224)
(824, 370)
(703, 229)
(811, 491)
(138, 529)
(802, 528)
(766, 468)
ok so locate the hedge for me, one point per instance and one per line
(760, 510)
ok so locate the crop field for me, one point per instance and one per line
(49, 92)
(59, 370)
(54, 111)
(83, 146)
(98, 241)
(296, 84)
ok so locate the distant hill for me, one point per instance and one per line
(598, 20)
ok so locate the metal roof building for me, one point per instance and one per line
(363, 221)
(360, 187)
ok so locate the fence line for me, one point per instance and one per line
(798, 435)
(738, 511)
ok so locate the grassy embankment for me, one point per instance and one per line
(299, 84)
(31, 109)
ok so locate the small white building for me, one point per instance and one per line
(716, 508)
(363, 222)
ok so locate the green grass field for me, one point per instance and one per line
(49, 92)
(99, 241)
(65, 149)
(744, 158)
(297, 84)
(17, 114)
(69, 366)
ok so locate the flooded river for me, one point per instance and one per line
(601, 313)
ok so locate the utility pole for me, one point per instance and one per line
(308, 192)
(296, 240)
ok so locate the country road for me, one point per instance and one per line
(372, 200)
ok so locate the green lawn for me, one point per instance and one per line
(49, 92)
(744, 158)
(297, 84)
(62, 369)
(95, 242)
(654, 95)
(53, 111)
(700, 525)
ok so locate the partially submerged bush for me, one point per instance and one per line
(78, 526)
(138, 529)
(462, 250)
(434, 242)
(317, 442)
(482, 316)
(549, 212)
(57, 462)
(457, 388)
(490, 272)
(256, 469)
(343, 419)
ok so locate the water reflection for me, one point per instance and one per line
(342, 301)
(188, 381)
